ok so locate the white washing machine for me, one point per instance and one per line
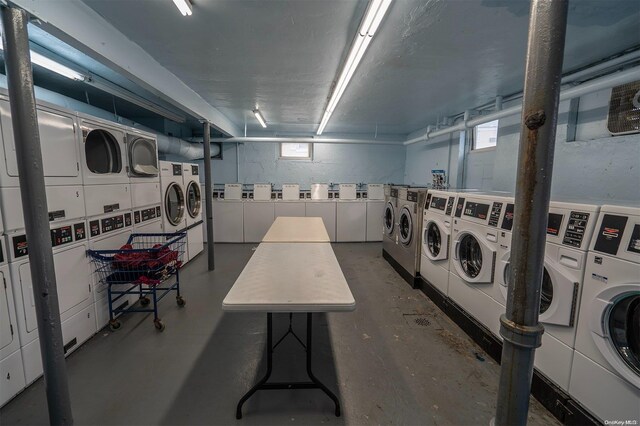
(436, 239)
(569, 231)
(193, 203)
(474, 244)
(142, 156)
(228, 214)
(605, 374)
(103, 152)
(108, 232)
(259, 213)
(320, 206)
(11, 367)
(75, 293)
(173, 197)
(290, 208)
(375, 211)
(351, 215)
(59, 144)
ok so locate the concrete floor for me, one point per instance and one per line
(395, 360)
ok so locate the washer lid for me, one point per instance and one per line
(174, 204)
(194, 202)
(143, 157)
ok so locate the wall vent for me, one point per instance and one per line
(624, 109)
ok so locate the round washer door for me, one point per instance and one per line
(194, 202)
(405, 226)
(143, 158)
(473, 259)
(174, 204)
(435, 242)
(546, 294)
(389, 219)
(102, 152)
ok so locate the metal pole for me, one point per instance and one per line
(208, 189)
(34, 205)
(519, 326)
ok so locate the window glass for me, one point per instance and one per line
(295, 150)
(485, 135)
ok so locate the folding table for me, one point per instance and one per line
(290, 277)
(297, 230)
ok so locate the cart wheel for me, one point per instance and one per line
(114, 325)
(158, 324)
(180, 301)
(144, 301)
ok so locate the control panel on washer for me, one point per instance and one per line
(109, 224)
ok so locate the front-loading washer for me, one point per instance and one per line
(570, 227)
(474, 243)
(11, 367)
(142, 156)
(75, 294)
(408, 232)
(436, 239)
(389, 246)
(193, 204)
(108, 232)
(605, 374)
(58, 142)
(173, 197)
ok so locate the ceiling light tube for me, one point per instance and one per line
(260, 118)
(378, 17)
(184, 6)
(369, 15)
(54, 66)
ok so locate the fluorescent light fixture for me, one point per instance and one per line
(184, 6)
(376, 11)
(260, 118)
(54, 66)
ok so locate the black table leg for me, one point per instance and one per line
(263, 385)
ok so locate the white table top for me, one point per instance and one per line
(291, 277)
(297, 230)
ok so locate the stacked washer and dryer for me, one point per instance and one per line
(144, 176)
(66, 208)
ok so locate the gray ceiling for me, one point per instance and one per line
(430, 58)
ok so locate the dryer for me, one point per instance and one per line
(409, 228)
(193, 203)
(569, 231)
(474, 244)
(103, 152)
(11, 367)
(75, 293)
(605, 374)
(58, 141)
(108, 232)
(436, 239)
(173, 197)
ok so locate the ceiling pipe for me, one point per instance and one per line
(275, 139)
(606, 82)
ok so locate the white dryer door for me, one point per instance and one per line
(474, 260)
(615, 329)
(143, 157)
(435, 241)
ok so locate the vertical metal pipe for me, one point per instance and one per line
(34, 205)
(208, 189)
(519, 326)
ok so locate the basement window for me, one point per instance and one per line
(296, 151)
(485, 135)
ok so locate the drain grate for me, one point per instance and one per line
(422, 321)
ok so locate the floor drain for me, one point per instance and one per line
(424, 322)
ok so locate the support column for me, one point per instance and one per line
(34, 205)
(208, 189)
(519, 326)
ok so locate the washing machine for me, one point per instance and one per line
(321, 206)
(351, 214)
(108, 232)
(228, 214)
(409, 229)
(173, 197)
(142, 156)
(58, 141)
(193, 202)
(436, 238)
(75, 293)
(12, 378)
(473, 253)
(375, 211)
(569, 231)
(605, 374)
(389, 247)
(259, 213)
